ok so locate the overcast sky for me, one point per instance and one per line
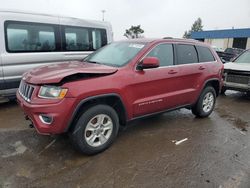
(159, 18)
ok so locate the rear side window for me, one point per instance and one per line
(84, 39)
(77, 39)
(29, 37)
(186, 54)
(205, 54)
(164, 52)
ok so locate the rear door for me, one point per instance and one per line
(190, 72)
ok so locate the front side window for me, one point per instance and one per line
(116, 54)
(244, 58)
(164, 52)
(29, 37)
(77, 39)
(205, 54)
(186, 54)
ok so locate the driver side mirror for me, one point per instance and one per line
(148, 63)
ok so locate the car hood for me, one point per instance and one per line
(54, 73)
(237, 66)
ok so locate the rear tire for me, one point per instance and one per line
(205, 103)
(95, 130)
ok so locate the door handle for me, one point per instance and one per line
(172, 72)
(201, 68)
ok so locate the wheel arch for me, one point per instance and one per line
(214, 82)
(112, 99)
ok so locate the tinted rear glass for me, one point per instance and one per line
(186, 54)
(205, 54)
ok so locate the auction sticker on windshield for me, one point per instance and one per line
(136, 46)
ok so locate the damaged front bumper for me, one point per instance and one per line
(48, 118)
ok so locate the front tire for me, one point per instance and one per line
(205, 103)
(95, 130)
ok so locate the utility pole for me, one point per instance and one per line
(103, 12)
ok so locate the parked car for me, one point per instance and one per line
(121, 82)
(28, 40)
(237, 74)
(229, 54)
(217, 49)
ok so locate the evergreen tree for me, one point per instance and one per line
(197, 26)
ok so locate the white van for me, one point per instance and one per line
(28, 40)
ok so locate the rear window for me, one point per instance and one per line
(205, 55)
(30, 37)
(186, 54)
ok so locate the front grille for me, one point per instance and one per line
(26, 90)
(237, 79)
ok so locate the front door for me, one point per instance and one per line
(156, 89)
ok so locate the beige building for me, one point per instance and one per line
(228, 38)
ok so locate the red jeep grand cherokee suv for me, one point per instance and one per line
(122, 81)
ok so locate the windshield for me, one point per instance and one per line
(243, 58)
(116, 54)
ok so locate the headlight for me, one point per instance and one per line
(52, 92)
